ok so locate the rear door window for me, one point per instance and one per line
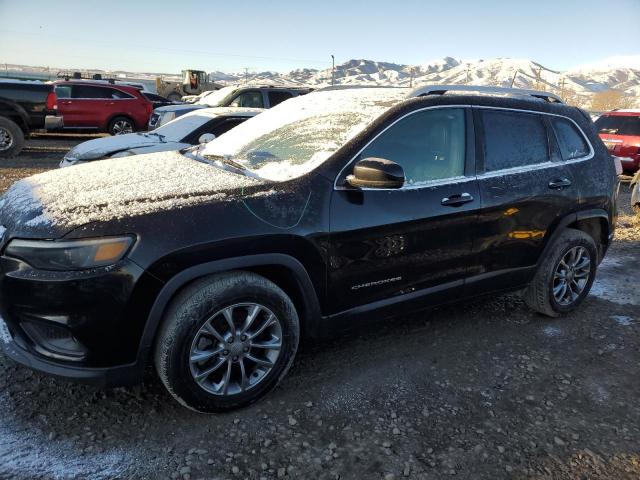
(571, 142)
(277, 97)
(513, 139)
(89, 92)
(619, 124)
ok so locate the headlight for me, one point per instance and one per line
(70, 255)
(165, 118)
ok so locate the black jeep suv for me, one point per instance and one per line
(211, 262)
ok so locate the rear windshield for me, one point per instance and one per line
(619, 125)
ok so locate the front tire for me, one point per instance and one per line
(121, 126)
(11, 138)
(565, 276)
(226, 341)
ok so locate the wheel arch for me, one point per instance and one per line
(593, 222)
(16, 113)
(283, 270)
(117, 115)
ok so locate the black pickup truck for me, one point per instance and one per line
(24, 107)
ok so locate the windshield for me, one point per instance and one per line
(177, 129)
(298, 135)
(215, 98)
(619, 124)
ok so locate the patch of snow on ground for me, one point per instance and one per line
(622, 320)
(614, 282)
(551, 331)
(56, 459)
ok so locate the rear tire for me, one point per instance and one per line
(121, 126)
(11, 138)
(174, 97)
(207, 328)
(557, 289)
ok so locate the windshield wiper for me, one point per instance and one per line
(159, 135)
(226, 161)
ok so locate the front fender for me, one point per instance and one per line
(311, 313)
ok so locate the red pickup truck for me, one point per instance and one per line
(102, 106)
(620, 132)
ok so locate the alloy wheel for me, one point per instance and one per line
(235, 349)
(6, 139)
(121, 127)
(571, 275)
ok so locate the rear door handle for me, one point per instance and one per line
(560, 183)
(456, 200)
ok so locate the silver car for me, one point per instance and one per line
(200, 126)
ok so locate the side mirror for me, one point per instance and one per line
(206, 137)
(376, 173)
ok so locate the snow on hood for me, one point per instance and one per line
(58, 201)
(100, 147)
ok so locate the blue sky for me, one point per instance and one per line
(167, 36)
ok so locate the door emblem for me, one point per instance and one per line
(376, 283)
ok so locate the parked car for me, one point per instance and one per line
(24, 107)
(336, 205)
(200, 126)
(231, 96)
(157, 100)
(620, 132)
(113, 108)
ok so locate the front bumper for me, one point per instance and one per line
(101, 377)
(84, 325)
(52, 122)
(630, 165)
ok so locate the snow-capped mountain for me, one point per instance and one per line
(577, 85)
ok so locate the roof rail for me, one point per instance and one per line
(350, 87)
(442, 89)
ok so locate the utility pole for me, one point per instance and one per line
(538, 78)
(468, 69)
(411, 81)
(513, 80)
(333, 70)
(246, 75)
(562, 87)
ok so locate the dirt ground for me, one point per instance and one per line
(480, 390)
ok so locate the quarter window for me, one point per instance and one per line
(429, 145)
(513, 140)
(85, 91)
(571, 142)
(119, 94)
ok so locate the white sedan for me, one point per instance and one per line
(200, 126)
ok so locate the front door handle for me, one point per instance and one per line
(559, 183)
(456, 200)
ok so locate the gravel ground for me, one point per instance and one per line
(481, 390)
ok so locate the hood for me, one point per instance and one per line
(52, 204)
(184, 108)
(106, 146)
